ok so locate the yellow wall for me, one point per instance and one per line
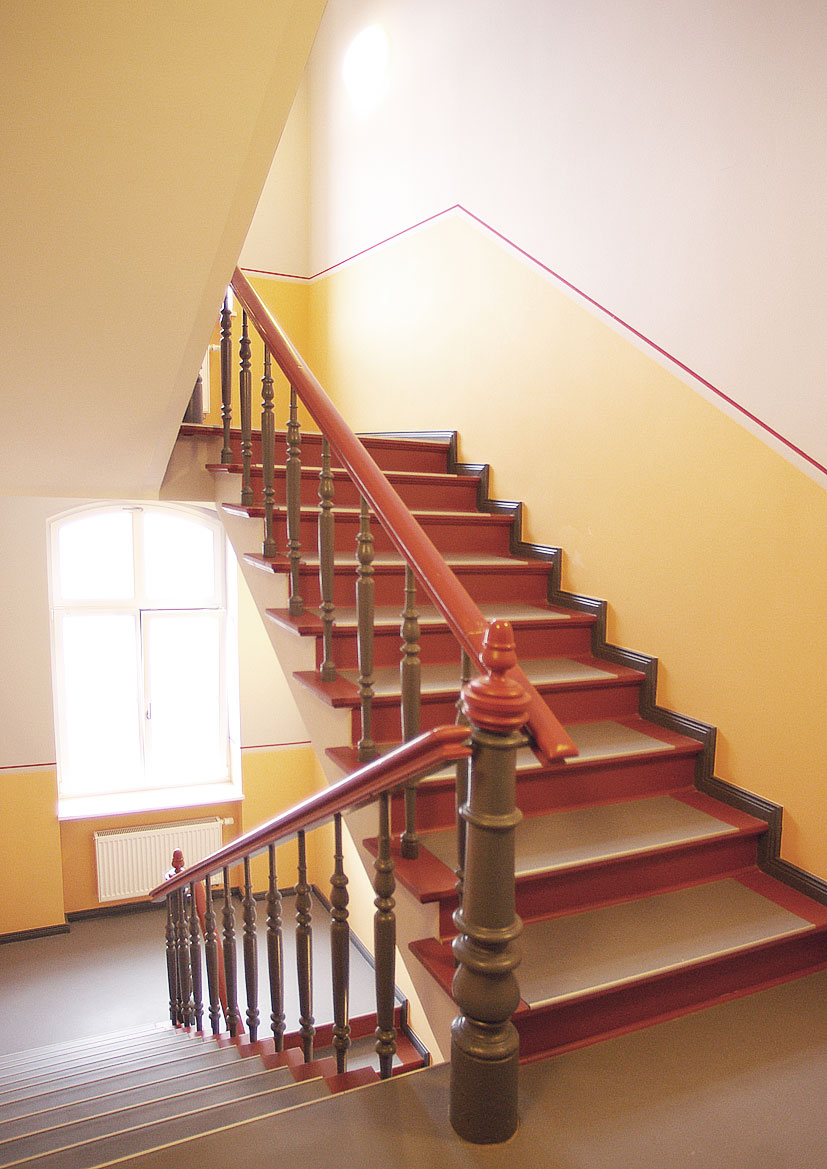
(30, 851)
(289, 304)
(275, 780)
(710, 548)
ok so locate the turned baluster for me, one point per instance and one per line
(340, 951)
(250, 954)
(275, 953)
(365, 618)
(182, 946)
(172, 963)
(304, 953)
(211, 956)
(327, 669)
(410, 674)
(463, 775)
(195, 407)
(268, 455)
(384, 942)
(293, 486)
(230, 975)
(226, 378)
(484, 1041)
(245, 396)
(195, 961)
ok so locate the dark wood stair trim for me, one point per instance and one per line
(769, 857)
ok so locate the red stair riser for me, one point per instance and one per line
(474, 532)
(564, 786)
(557, 639)
(389, 456)
(615, 701)
(483, 584)
(593, 886)
(457, 493)
(556, 1028)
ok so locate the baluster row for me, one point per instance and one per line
(192, 911)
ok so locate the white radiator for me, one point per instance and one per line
(131, 861)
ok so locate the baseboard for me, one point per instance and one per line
(112, 910)
(46, 931)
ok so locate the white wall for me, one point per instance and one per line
(669, 160)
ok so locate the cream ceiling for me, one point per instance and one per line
(136, 138)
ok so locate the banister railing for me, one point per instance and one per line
(484, 1043)
(495, 706)
(459, 610)
(421, 756)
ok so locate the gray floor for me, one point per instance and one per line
(739, 1086)
(109, 974)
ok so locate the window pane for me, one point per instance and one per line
(95, 557)
(179, 560)
(186, 733)
(100, 707)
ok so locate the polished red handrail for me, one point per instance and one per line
(420, 756)
(457, 607)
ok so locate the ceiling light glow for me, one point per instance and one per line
(365, 68)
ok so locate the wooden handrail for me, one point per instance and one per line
(459, 610)
(427, 753)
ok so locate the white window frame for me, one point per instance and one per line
(75, 804)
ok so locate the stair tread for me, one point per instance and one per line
(557, 841)
(157, 1134)
(94, 1059)
(604, 739)
(43, 1115)
(575, 957)
(151, 1067)
(442, 678)
(63, 1132)
(436, 477)
(394, 561)
(47, 1059)
(567, 957)
(497, 519)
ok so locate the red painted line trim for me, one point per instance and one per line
(26, 766)
(275, 746)
(765, 426)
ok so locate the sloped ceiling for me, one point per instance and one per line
(136, 138)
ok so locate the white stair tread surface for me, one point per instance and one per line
(566, 957)
(605, 739)
(563, 839)
(608, 739)
(444, 678)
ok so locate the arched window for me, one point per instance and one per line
(140, 657)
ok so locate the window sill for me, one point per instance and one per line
(124, 803)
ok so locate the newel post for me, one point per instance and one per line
(484, 1041)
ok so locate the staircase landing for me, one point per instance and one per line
(738, 1086)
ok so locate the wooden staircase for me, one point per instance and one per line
(641, 895)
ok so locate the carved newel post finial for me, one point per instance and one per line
(484, 1042)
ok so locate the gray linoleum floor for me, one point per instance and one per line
(740, 1086)
(109, 974)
